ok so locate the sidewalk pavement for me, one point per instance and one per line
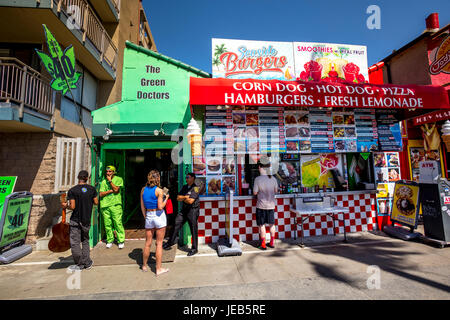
(371, 265)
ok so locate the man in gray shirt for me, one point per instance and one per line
(264, 188)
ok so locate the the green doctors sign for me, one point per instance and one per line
(60, 64)
(15, 218)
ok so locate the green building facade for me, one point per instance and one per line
(144, 131)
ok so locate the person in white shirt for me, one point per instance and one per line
(264, 188)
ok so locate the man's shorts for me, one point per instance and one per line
(155, 219)
(265, 217)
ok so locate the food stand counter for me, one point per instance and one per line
(212, 218)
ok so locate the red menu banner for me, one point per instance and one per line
(220, 91)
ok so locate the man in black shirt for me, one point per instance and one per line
(81, 199)
(189, 212)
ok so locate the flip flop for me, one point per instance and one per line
(144, 269)
(162, 272)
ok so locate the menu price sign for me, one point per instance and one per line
(389, 133)
(405, 206)
(321, 124)
(366, 130)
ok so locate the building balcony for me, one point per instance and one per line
(27, 102)
(108, 10)
(72, 22)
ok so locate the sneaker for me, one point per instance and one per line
(270, 245)
(192, 252)
(167, 246)
(74, 268)
(89, 266)
(121, 245)
(261, 247)
(108, 245)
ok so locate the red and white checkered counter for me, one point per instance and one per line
(211, 221)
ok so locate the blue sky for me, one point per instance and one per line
(183, 29)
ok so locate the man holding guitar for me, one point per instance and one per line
(81, 199)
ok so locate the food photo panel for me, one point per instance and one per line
(213, 185)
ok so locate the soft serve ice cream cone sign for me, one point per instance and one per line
(330, 62)
(241, 59)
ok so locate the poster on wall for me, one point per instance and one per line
(316, 169)
(405, 206)
(242, 59)
(330, 62)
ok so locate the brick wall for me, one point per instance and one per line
(32, 158)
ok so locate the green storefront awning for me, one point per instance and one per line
(132, 118)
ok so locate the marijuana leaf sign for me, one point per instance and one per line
(60, 64)
(16, 220)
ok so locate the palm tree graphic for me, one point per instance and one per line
(218, 51)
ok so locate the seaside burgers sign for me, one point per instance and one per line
(307, 61)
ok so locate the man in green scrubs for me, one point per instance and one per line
(111, 207)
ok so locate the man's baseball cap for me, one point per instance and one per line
(83, 175)
(112, 168)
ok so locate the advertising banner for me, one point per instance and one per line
(14, 222)
(330, 62)
(59, 64)
(313, 94)
(405, 206)
(6, 188)
(316, 170)
(241, 59)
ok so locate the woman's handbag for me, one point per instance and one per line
(169, 207)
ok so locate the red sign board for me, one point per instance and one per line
(439, 115)
(220, 91)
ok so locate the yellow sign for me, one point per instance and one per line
(405, 206)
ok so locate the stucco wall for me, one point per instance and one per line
(410, 66)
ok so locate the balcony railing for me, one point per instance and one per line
(116, 4)
(25, 86)
(85, 19)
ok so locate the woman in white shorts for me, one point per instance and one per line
(152, 207)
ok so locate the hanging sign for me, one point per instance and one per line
(59, 64)
(219, 91)
(441, 61)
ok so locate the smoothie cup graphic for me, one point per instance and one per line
(351, 71)
(314, 69)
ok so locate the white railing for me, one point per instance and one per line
(72, 155)
(25, 86)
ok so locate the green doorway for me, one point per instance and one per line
(138, 163)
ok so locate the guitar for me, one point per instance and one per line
(60, 240)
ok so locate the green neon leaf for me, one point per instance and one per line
(53, 45)
(60, 64)
(47, 61)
